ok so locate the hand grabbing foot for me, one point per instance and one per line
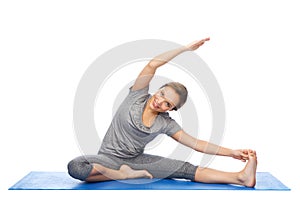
(247, 176)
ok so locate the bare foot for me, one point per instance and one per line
(129, 173)
(248, 174)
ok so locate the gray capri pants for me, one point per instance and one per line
(159, 167)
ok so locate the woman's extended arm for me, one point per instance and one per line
(209, 148)
(149, 70)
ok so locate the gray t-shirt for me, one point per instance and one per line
(127, 136)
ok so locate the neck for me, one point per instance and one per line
(148, 116)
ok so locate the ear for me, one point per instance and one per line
(175, 109)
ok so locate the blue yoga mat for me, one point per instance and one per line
(62, 181)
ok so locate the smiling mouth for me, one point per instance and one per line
(155, 104)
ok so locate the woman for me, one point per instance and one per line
(139, 119)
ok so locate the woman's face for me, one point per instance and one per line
(164, 100)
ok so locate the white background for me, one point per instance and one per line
(46, 46)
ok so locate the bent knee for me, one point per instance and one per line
(79, 169)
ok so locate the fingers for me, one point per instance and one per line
(202, 41)
(206, 39)
(196, 44)
(244, 154)
(251, 153)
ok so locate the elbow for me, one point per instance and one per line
(153, 64)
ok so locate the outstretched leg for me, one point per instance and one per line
(101, 173)
(246, 177)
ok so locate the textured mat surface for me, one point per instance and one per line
(62, 181)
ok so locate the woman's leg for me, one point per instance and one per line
(161, 167)
(101, 173)
(101, 167)
(246, 177)
(96, 168)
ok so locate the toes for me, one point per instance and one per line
(252, 153)
(149, 175)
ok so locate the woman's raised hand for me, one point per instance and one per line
(196, 44)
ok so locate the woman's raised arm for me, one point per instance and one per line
(149, 70)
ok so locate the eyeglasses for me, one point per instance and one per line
(161, 94)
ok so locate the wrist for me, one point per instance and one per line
(231, 153)
(226, 151)
(186, 48)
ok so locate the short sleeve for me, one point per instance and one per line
(138, 93)
(172, 127)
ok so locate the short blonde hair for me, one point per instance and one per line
(181, 90)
